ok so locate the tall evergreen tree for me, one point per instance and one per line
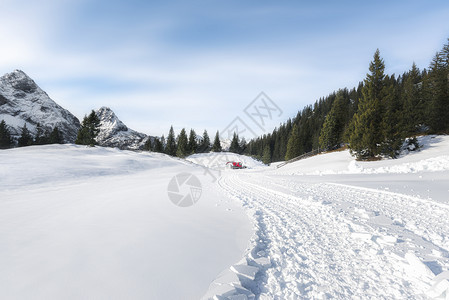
(6, 140)
(25, 138)
(266, 158)
(40, 138)
(216, 147)
(55, 136)
(439, 92)
(158, 147)
(148, 145)
(413, 105)
(293, 146)
(182, 144)
(205, 144)
(367, 136)
(235, 145)
(90, 127)
(192, 146)
(171, 147)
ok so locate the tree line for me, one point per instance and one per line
(372, 119)
(42, 136)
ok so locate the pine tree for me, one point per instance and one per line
(329, 135)
(90, 127)
(192, 146)
(25, 139)
(40, 138)
(158, 147)
(293, 147)
(148, 146)
(392, 129)
(439, 93)
(182, 144)
(367, 136)
(56, 136)
(266, 158)
(171, 148)
(414, 109)
(216, 147)
(235, 146)
(6, 140)
(205, 144)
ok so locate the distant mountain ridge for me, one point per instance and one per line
(23, 102)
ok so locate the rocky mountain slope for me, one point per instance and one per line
(114, 133)
(22, 102)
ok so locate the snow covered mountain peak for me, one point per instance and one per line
(114, 133)
(23, 102)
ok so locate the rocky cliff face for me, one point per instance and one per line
(113, 133)
(22, 102)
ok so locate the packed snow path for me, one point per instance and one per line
(324, 240)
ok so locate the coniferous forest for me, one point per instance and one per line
(372, 119)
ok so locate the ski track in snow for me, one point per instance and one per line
(326, 240)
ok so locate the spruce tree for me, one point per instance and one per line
(439, 93)
(392, 129)
(90, 127)
(6, 140)
(367, 136)
(148, 146)
(413, 105)
(158, 147)
(56, 136)
(170, 148)
(193, 144)
(182, 144)
(293, 147)
(205, 144)
(39, 139)
(25, 138)
(216, 147)
(266, 158)
(235, 145)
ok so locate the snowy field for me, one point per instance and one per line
(97, 223)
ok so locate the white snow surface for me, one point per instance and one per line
(80, 222)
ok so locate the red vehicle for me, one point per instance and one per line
(235, 165)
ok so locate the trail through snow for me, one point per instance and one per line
(326, 240)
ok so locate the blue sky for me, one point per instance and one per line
(200, 63)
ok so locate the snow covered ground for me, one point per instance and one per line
(79, 222)
(97, 223)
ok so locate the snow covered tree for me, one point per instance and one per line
(216, 147)
(192, 146)
(5, 136)
(25, 138)
(90, 127)
(182, 144)
(171, 147)
(293, 148)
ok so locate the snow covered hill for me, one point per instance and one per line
(22, 102)
(114, 133)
